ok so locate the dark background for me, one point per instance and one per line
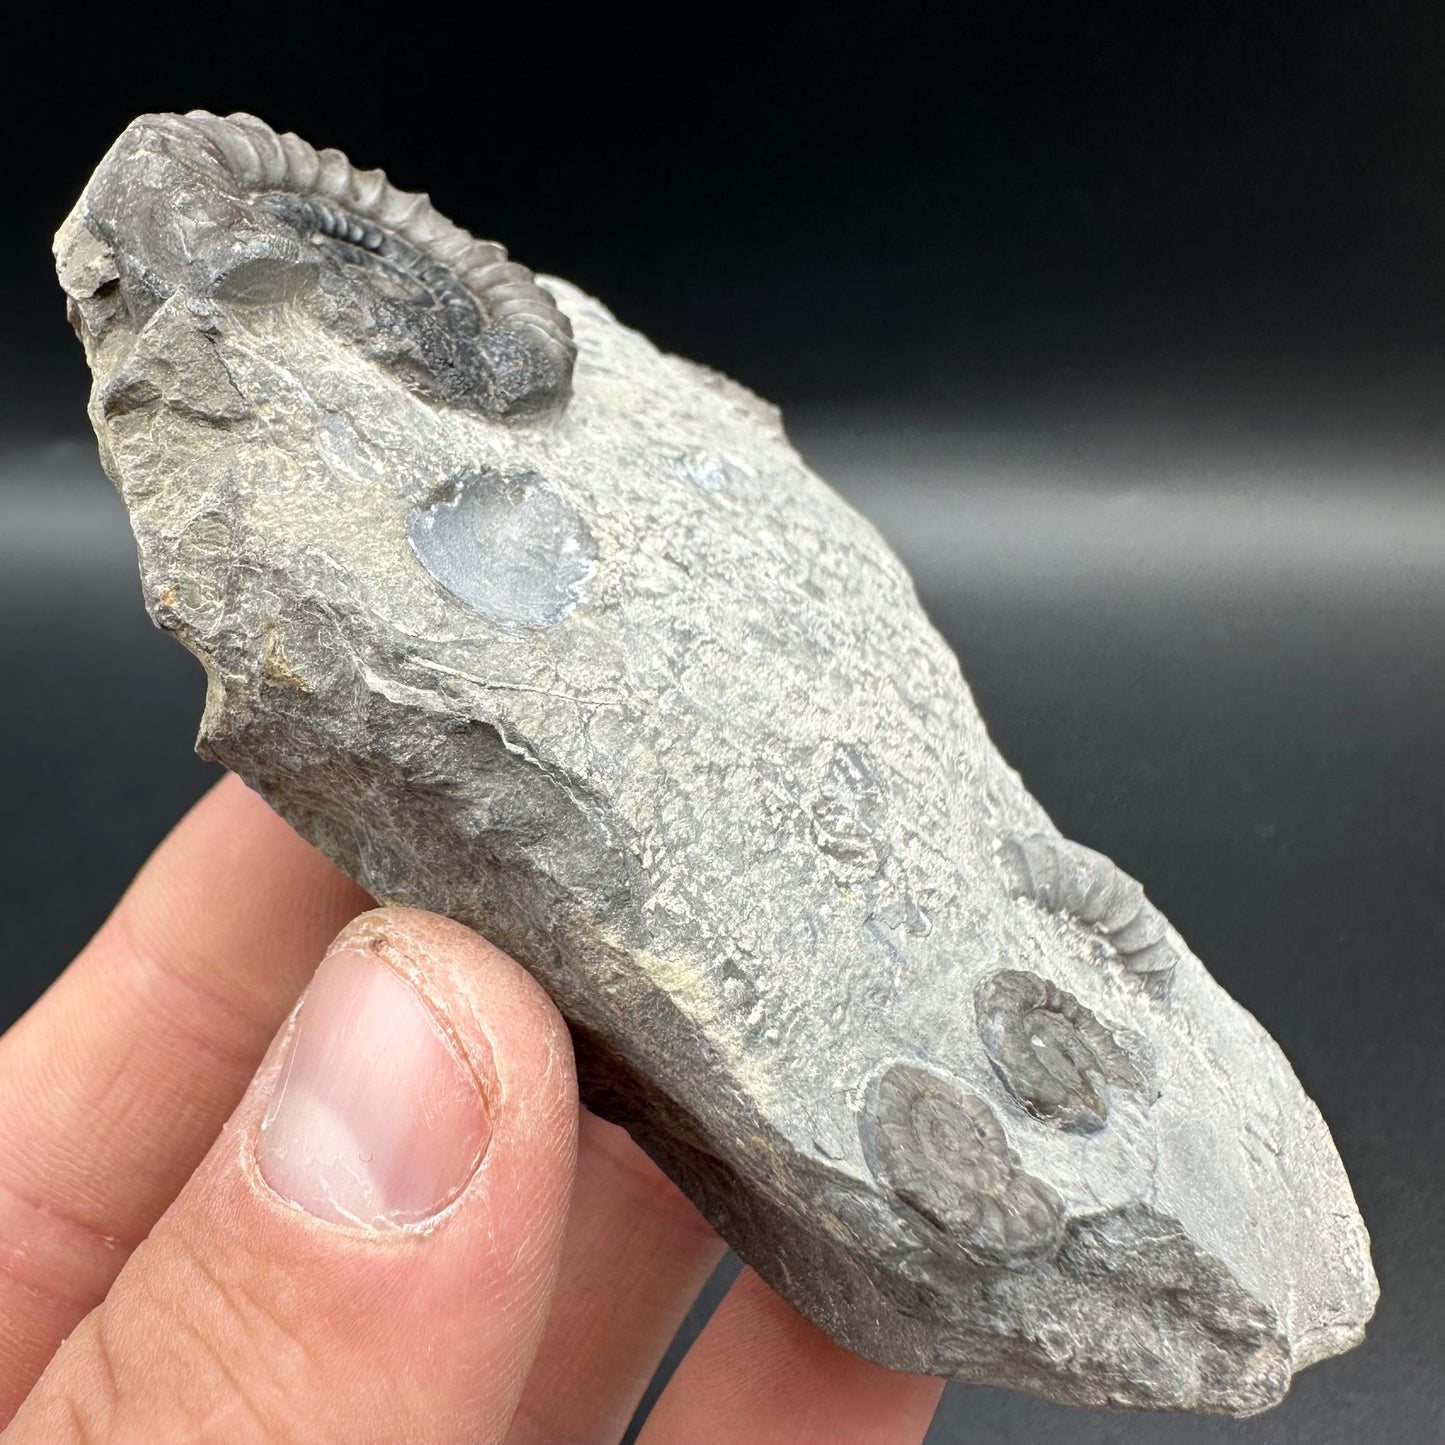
(1124, 324)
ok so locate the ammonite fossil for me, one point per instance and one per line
(232, 211)
(943, 1152)
(1058, 1061)
(1066, 878)
(569, 644)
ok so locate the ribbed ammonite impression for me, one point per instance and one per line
(1058, 1061)
(250, 215)
(1065, 878)
(943, 1153)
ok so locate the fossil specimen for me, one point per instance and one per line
(1056, 1059)
(587, 658)
(236, 213)
(1069, 879)
(942, 1153)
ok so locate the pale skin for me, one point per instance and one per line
(157, 1282)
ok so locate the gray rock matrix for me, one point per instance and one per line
(523, 621)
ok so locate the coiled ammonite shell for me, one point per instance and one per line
(943, 1152)
(1056, 1058)
(247, 214)
(1065, 877)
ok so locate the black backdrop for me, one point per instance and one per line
(1124, 324)
(976, 209)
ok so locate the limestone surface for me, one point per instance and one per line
(523, 621)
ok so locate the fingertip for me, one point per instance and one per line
(365, 1059)
(478, 988)
(412, 1016)
(387, 1204)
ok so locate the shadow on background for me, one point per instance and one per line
(1227, 671)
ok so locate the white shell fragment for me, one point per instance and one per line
(588, 659)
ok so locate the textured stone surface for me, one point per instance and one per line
(593, 663)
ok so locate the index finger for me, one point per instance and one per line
(760, 1374)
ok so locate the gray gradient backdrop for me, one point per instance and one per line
(1124, 324)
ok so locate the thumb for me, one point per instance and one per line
(367, 1252)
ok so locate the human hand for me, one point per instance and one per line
(377, 1244)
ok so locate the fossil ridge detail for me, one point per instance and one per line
(230, 213)
(588, 659)
(1057, 1060)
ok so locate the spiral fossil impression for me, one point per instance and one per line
(1066, 878)
(1054, 1056)
(943, 1152)
(255, 213)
